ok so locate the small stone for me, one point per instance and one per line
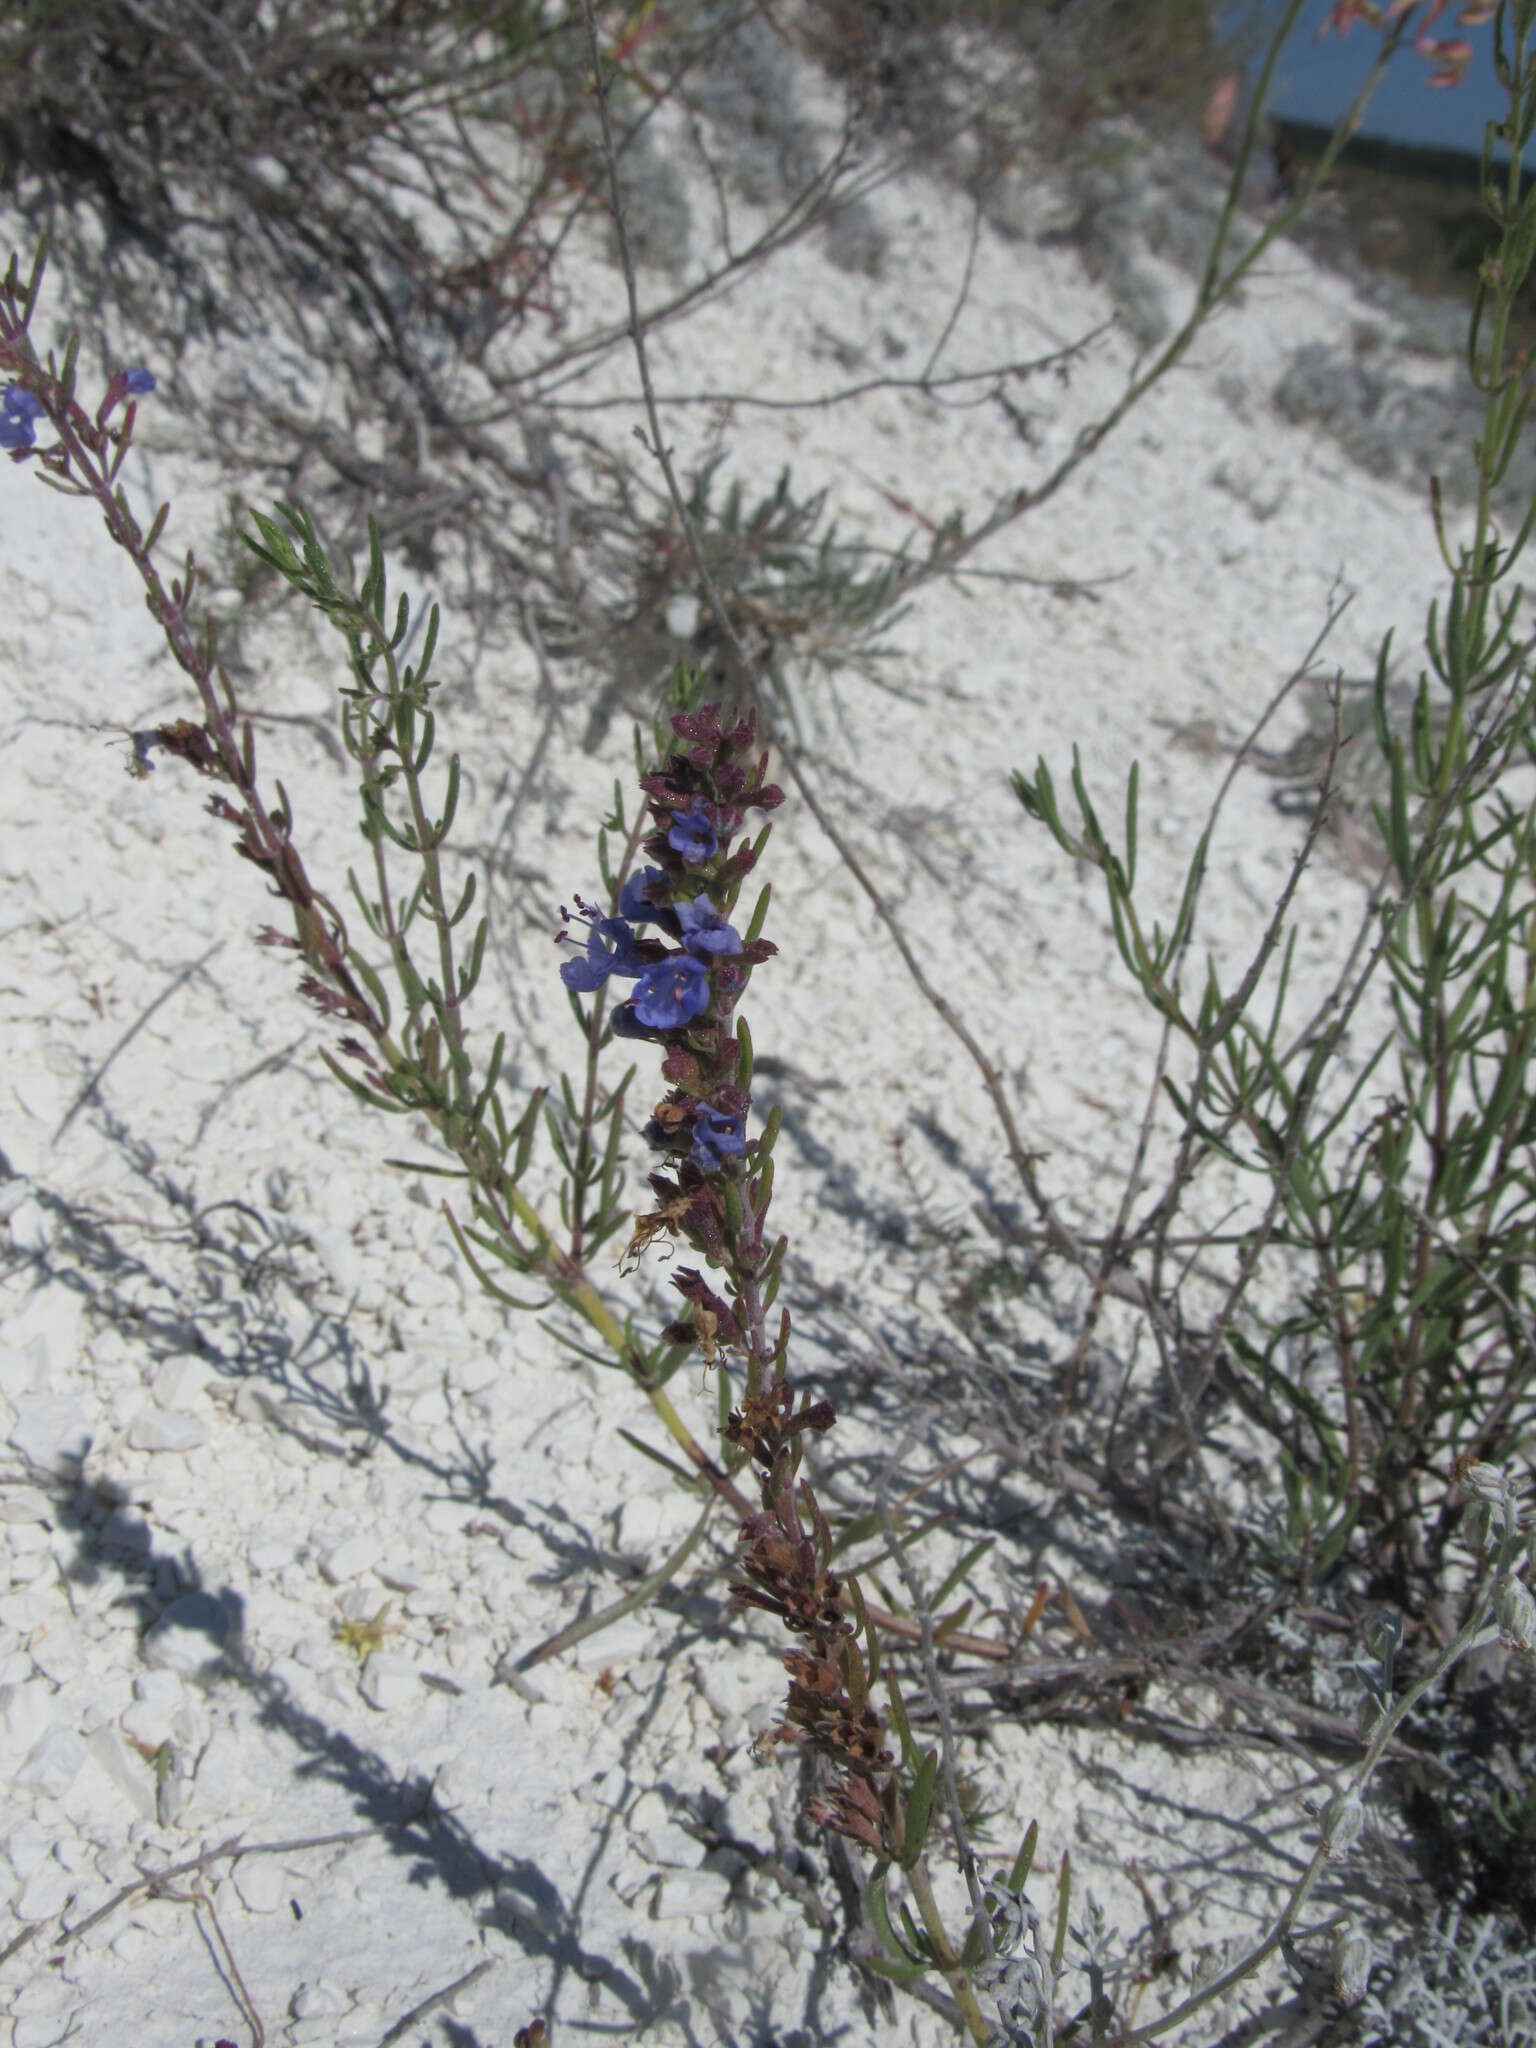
(658, 1838)
(274, 1556)
(389, 1680)
(179, 1384)
(24, 1504)
(162, 1693)
(346, 1559)
(430, 1409)
(42, 2029)
(400, 1574)
(743, 1817)
(59, 1651)
(260, 1882)
(319, 2001)
(53, 1764)
(24, 1368)
(25, 1715)
(45, 1894)
(190, 1635)
(50, 1434)
(26, 1847)
(476, 1371)
(129, 1944)
(220, 1771)
(127, 1533)
(33, 1228)
(153, 1429)
(692, 1894)
(128, 1772)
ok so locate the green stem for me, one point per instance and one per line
(933, 1925)
(644, 1590)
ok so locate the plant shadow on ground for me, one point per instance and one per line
(519, 1901)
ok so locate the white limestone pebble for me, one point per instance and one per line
(156, 1429)
(399, 1572)
(260, 1882)
(51, 1434)
(26, 1846)
(25, 1715)
(45, 1894)
(33, 1228)
(43, 2029)
(692, 1894)
(179, 1384)
(220, 1772)
(26, 1504)
(190, 1635)
(317, 2000)
(349, 1557)
(24, 1367)
(127, 1771)
(657, 1836)
(52, 1764)
(157, 1710)
(389, 1680)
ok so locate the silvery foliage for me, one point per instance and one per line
(1016, 1976)
(1459, 1984)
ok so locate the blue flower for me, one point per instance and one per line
(637, 902)
(716, 1138)
(672, 992)
(138, 383)
(692, 835)
(610, 950)
(623, 1023)
(704, 930)
(19, 414)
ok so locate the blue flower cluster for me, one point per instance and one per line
(672, 989)
(20, 411)
(688, 963)
(19, 415)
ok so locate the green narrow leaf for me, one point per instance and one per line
(971, 1558)
(450, 803)
(679, 1472)
(899, 1719)
(759, 913)
(1063, 1903)
(1023, 1863)
(920, 1809)
(468, 976)
(1398, 835)
(357, 965)
(900, 1963)
(456, 917)
(524, 1131)
(484, 1280)
(492, 1076)
(355, 1087)
(1130, 826)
